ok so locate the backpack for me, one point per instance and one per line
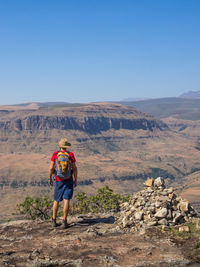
(63, 165)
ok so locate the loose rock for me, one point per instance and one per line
(184, 229)
(155, 205)
(161, 213)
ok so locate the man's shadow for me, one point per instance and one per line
(92, 221)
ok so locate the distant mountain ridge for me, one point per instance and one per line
(186, 107)
(135, 99)
(177, 107)
(191, 94)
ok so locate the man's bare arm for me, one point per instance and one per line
(51, 170)
(75, 173)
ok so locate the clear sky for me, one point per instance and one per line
(98, 50)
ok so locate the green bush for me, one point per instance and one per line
(82, 203)
(104, 200)
(34, 208)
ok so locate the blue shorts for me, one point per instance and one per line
(63, 189)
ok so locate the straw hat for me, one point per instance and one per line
(63, 143)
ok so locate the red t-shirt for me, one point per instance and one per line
(54, 157)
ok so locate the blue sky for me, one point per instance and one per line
(84, 51)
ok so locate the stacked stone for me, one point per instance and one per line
(155, 205)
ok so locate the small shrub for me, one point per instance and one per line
(197, 244)
(35, 208)
(104, 200)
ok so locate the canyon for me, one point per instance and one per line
(114, 145)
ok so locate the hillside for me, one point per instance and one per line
(180, 108)
(114, 145)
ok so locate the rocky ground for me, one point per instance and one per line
(155, 228)
(94, 240)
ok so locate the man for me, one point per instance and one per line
(64, 182)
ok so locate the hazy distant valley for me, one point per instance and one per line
(114, 145)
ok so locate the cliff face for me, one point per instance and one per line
(91, 119)
(100, 128)
(90, 125)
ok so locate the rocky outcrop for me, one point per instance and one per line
(91, 125)
(154, 206)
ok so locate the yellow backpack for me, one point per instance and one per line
(63, 165)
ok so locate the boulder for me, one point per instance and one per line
(184, 206)
(163, 222)
(198, 224)
(164, 198)
(177, 216)
(161, 213)
(139, 215)
(157, 204)
(184, 228)
(152, 223)
(125, 222)
(149, 182)
(159, 182)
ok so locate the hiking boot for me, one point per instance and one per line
(65, 224)
(55, 224)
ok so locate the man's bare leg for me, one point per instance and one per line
(65, 211)
(55, 209)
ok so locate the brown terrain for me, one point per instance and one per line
(190, 188)
(155, 227)
(92, 241)
(114, 145)
(141, 233)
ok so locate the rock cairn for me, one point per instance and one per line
(153, 206)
